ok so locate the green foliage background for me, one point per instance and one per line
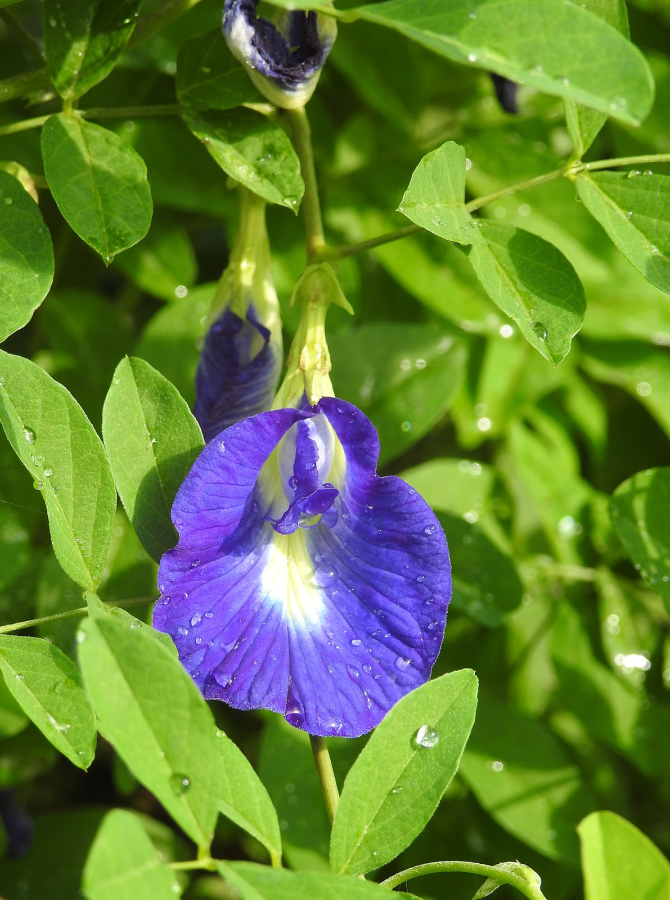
(560, 595)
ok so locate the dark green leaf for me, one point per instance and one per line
(254, 151)
(524, 778)
(209, 76)
(83, 40)
(151, 711)
(123, 864)
(556, 47)
(57, 444)
(152, 440)
(639, 510)
(533, 283)
(26, 256)
(99, 183)
(634, 211)
(394, 786)
(49, 688)
(619, 861)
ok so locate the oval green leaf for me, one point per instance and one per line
(152, 440)
(26, 256)
(395, 785)
(58, 445)
(49, 688)
(98, 182)
(254, 151)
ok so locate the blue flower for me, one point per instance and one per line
(241, 358)
(283, 58)
(303, 582)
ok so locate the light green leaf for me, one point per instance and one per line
(83, 40)
(395, 785)
(620, 862)
(435, 198)
(244, 799)
(524, 778)
(634, 210)
(209, 76)
(556, 47)
(455, 486)
(583, 123)
(486, 584)
(118, 614)
(57, 444)
(151, 711)
(403, 376)
(123, 864)
(152, 440)
(639, 509)
(256, 882)
(254, 151)
(49, 688)
(164, 263)
(533, 283)
(26, 256)
(98, 182)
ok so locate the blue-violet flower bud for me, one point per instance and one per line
(241, 357)
(283, 58)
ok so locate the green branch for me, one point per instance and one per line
(70, 614)
(121, 112)
(324, 767)
(496, 873)
(311, 207)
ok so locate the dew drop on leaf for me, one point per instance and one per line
(426, 737)
(179, 783)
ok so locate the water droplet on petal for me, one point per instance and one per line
(403, 663)
(196, 619)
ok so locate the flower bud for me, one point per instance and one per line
(283, 58)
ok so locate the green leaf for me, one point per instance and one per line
(583, 123)
(256, 882)
(152, 440)
(530, 879)
(244, 799)
(639, 509)
(533, 283)
(435, 198)
(486, 584)
(523, 777)
(164, 263)
(26, 256)
(403, 376)
(83, 40)
(118, 614)
(12, 719)
(619, 861)
(123, 864)
(254, 151)
(556, 47)
(98, 182)
(49, 688)
(209, 76)
(57, 444)
(395, 785)
(634, 210)
(151, 711)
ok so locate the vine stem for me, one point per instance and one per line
(121, 112)
(324, 767)
(311, 207)
(70, 614)
(471, 868)
(334, 254)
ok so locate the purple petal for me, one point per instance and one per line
(237, 374)
(330, 625)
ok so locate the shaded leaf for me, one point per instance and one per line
(209, 76)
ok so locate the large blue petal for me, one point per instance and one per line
(329, 625)
(237, 373)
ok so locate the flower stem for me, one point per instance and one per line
(333, 254)
(311, 207)
(324, 767)
(206, 863)
(472, 868)
(70, 614)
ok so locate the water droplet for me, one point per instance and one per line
(353, 671)
(196, 619)
(8, 201)
(356, 642)
(325, 574)
(406, 426)
(497, 766)
(80, 637)
(643, 389)
(426, 737)
(540, 330)
(472, 57)
(430, 529)
(403, 663)
(179, 783)
(136, 623)
(29, 435)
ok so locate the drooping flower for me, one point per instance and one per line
(241, 356)
(283, 58)
(303, 582)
